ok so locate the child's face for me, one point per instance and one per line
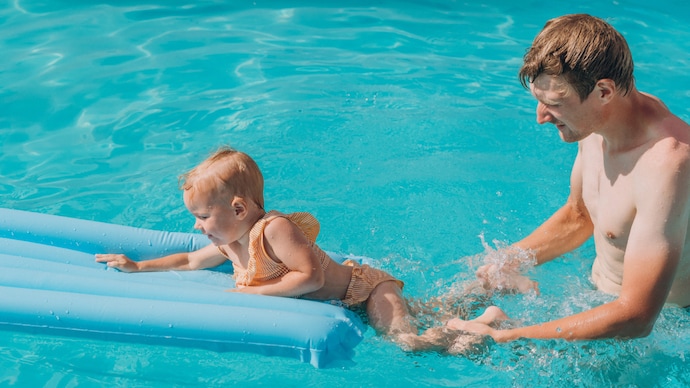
(217, 218)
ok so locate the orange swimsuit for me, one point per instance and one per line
(261, 267)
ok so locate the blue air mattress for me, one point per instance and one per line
(50, 284)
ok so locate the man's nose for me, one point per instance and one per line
(543, 114)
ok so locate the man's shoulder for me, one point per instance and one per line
(672, 141)
(668, 156)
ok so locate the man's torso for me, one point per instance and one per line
(608, 190)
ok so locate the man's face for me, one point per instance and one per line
(559, 104)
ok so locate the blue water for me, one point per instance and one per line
(400, 125)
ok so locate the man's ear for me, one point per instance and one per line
(606, 89)
(239, 206)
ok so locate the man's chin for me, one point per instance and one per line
(568, 137)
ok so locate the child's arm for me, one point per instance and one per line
(206, 257)
(285, 242)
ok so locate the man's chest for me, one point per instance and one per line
(609, 195)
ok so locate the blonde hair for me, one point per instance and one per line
(583, 49)
(227, 173)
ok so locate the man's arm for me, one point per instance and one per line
(568, 228)
(649, 272)
(654, 249)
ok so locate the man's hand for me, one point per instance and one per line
(505, 279)
(482, 324)
(473, 327)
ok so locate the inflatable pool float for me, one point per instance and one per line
(52, 285)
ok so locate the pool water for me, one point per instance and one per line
(401, 125)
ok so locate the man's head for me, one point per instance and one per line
(583, 49)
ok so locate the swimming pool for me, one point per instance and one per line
(400, 125)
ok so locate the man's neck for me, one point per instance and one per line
(626, 121)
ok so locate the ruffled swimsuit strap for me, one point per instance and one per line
(310, 226)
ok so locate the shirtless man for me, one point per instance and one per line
(629, 187)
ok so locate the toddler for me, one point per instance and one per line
(275, 254)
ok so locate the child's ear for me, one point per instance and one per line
(239, 206)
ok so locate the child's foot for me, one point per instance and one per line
(481, 325)
(492, 314)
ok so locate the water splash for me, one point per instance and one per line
(505, 267)
(505, 256)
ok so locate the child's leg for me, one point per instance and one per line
(389, 315)
(387, 310)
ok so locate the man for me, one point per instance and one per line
(630, 182)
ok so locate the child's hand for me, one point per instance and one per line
(236, 289)
(243, 290)
(119, 261)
